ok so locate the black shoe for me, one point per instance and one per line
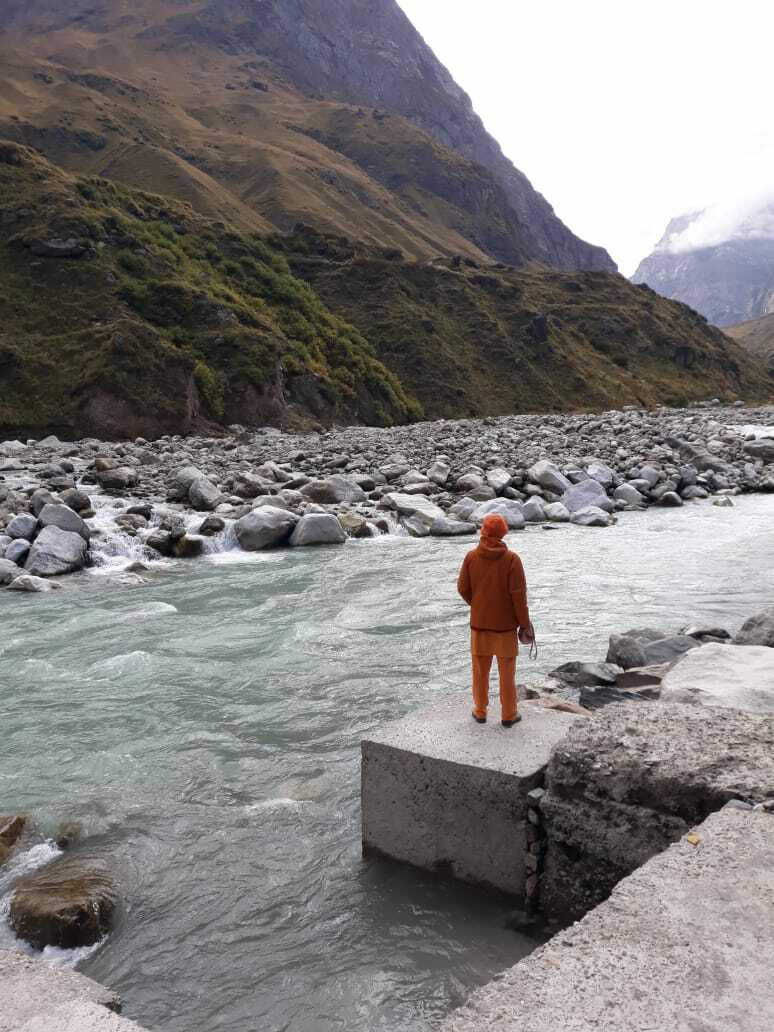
(510, 723)
(478, 720)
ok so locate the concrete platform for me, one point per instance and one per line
(36, 997)
(446, 794)
(685, 944)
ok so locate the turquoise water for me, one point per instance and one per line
(204, 726)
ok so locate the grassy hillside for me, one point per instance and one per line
(472, 340)
(160, 320)
(757, 338)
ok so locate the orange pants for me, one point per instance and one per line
(506, 667)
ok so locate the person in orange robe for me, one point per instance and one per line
(493, 584)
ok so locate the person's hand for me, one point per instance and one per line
(526, 636)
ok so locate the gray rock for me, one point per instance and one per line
(668, 649)
(498, 479)
(18, 551)
(640, 678)
(737, 676)
(650, 475)
(549, 476)
(463, 509)
(183, 478)
(629, 494)
(264, 528)
(625, 652)
(758, 630)
(590, 516)
(211, 525)
(602, 473)
(412, 505)
(670, 499)
(511, 512)
(439, 472)
(556, 512)
(761, 449)
(693, 491)
(586, 493)
(62, 516)
(30, 584)
(468, 483)
(204, 495)
(443, 526)
(580, 674)
(119, 479)
(318, 529)
(5, 541)
(9, 571)
(77, 500)
(333, 491)
(55, 552)
(40, 498)
(22, 526)
(533, 511)
(415, 526)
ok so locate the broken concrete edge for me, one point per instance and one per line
(37, 996)
(691, 932)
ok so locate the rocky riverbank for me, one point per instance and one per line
(66, 505)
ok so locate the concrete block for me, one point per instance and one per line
(36, 997)
(444, 793)
(683, 944)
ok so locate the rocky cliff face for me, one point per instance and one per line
(358, 52)
(728, 282)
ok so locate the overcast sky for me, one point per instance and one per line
(622, 114)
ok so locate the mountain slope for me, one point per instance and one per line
(468, 340)
(757, 337)
(329, 112)
(123, 313)
(126, 313)
(728, 282)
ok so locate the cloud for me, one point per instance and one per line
(748, 216)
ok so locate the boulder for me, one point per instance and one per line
(333, 490)
(11, 828)
(414, 526)
(586, 493)
(183, 478)
(39, 498)
(463, 509)
(246, 485)
(739, 677)
(444, 526)
(266, 527)
(77, 500)
(498, 479)
(533, 511)
(549, 477)
(761, 449)
(55, 552)
(355, 525)
(758, 630)
(9, 571)
(68, 903)
(582, 674)
(412, 505)
(22, 526)
(211, 525)
(666, 650)
(18, 551)
(590, 516)
(692, 492)
(203, 495)
(119, 479)
(629, 494)
(62, 516)
(625, 652)
(439, 472)
(32, 584)
(670, 499)
(189, 546)
(510, 511)
(468, 483)
(161, 541)
(318, 529)
(602, 473)
(556, 512)
(646, 680)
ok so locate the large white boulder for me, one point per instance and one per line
(412, 505)
(549, 476)
(510, 510)
(55, 552)
(732, 676)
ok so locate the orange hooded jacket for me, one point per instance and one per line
(493, 584)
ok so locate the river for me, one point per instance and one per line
(204, 727)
